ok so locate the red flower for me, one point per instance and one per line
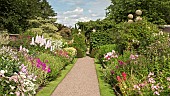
(118, 78)
(124, 75)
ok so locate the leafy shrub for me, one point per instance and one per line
(103, 50)
(54, 62)
(80, 53)
(4, 38)
(144, 74)
(80, 45)
(72, 52)
(136, 35)
(98, 39)
(94, 52)
(23, 40)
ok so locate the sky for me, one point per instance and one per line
(70, 12)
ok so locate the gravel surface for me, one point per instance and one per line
(80, 81)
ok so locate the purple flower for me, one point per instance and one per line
(49, 70)
(38, 61)
(38, 65)
(43, 66)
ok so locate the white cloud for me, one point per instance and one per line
(94, 15)
(78, 10)
(71, 17)
(83, 19)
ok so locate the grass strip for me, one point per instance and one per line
(48, 89)
(105, 88)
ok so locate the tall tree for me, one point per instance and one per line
(14, 13)
(156, 11)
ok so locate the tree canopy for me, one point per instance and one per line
(156, 11)
(14, 13)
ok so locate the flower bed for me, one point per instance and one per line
(134, 73)
(23, 71)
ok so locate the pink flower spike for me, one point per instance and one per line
(118, 78)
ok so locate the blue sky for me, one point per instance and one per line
(71, 11)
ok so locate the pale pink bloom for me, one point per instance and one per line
(168, 78)
(133, 57)
(17, 93)
(156, 93)
(151, 74)
(136, 87)
(151, 80)
(14, 78)
(142, 84)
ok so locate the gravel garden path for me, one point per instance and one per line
(80, 81)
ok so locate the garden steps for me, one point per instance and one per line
(80, 81)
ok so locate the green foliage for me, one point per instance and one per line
(138, 67)
(156, 11)
(98, 39)
(72, 52)
(103, 50)
(56, 64)
(79, 44)
(4, 38)
(136, 35)
(9, 60)
(23, 40)
(15, 13)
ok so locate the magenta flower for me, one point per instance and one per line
(43, 66)
(49, 70)
(121, 62)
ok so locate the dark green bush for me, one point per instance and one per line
(80, 45)
(98, 39)
(80, 53)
